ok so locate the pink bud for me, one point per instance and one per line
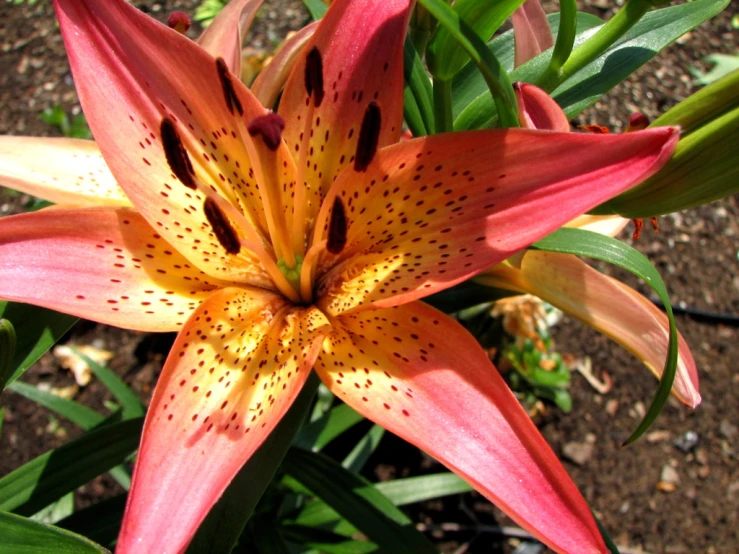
(637, 122)
(179, 21)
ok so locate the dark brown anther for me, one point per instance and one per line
(225, 233)
(232, 101)
(369, 135)
(655, 224)
(177, 157)
(595, 129)
(269, 127)
(337, 228)
(314, 76)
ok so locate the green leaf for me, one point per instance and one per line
(265, 536)
(654, 32)
(56, 510)
(723, 64)
(324, 541)
(37, 330)
(129, 401)
(472, 102)
(357, 501)
(316, 8)
(99, 522)
(73, 411)
(494, 75)
(418, 104)
(19, 535)
(322, 431)
(463, 296)
(7, 350)
(607, 249)
(400, 492)
(57, 472)
(359, 455)
(226, 520)
(444, 56)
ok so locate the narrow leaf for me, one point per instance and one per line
(607, 249)
(418, 97)
(130, 403)
(322, 431)
(99, 522)
(359, 455)
(19, 535)
(73, 411)
(357, 501)
(37, 330)
(57, 472)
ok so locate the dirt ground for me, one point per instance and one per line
(696, 252)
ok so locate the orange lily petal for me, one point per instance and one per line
(233, 372)
(224, 37)
(107, 265)
(268, 84)
(152, 74)
(419, 374)
(421, 225)
(531, 31)
(356, 60)
(605, 304)
(538, 110)
(61, 170)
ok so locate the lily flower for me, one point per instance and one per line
(570, 284)
(280, 242)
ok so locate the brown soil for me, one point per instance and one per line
(696, 253)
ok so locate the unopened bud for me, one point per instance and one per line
(7, 351)
(637, 122)
(179, 21)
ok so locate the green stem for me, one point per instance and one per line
(563, 46)
(614, 29)
(443, 118)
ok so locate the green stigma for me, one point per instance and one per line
(292, 274)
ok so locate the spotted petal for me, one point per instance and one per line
(225, 35)
(354, 67)
(433, 211)
(61, 170)
(102, 264)
(132, 74)
(233, 372)
(270, 81)
(605, 304)
(419, 374)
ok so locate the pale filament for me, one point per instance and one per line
(307, 272)
(300, 204)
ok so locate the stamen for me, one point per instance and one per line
(269, 127)
(369, 135)
(637, 122)
(308, 270)
(232, 101)
(314, 76)
(225, 233)
(176, 154)
(179, 21)
(337, 228)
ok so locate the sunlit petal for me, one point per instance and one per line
(61, 170)
(531, 31)
(355, 58)
(605, 304)
(609, 225)
(421, 224)
(225, 35)
(419, 374)
(270, 81)
(133, 76)
(233, 372)
(102, 264)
